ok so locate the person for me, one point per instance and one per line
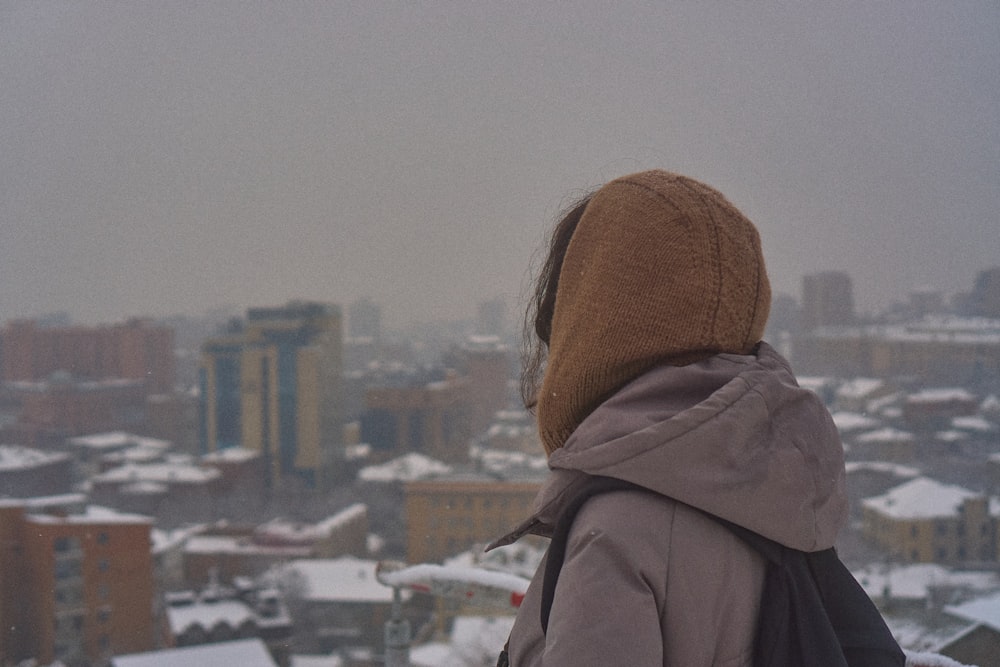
(648, 366)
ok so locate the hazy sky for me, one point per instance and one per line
(170, 157)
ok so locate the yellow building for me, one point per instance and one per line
(274, 387)
(448, 515)
(925, 521)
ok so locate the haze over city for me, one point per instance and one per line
(164, 158)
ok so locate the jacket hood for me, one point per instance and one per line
(733, 435)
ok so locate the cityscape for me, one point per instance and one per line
(252, 487)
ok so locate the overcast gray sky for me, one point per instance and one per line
(170, 157)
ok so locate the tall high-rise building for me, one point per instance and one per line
(275, 387)
(491, 317)
(364, 320)
(827, 299)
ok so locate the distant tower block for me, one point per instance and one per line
(275, 387)
(491, 317)
(827, 299)
(986, 293)
(364, 319)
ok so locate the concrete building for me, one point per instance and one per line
(228, 552)
(925, 521)
(955, 351)
(275, 387)
(46, 412)
(430, 414)
(75, 587)
(985, 297)
(26, 472)
(487, 367)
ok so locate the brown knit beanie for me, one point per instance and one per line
(661, 269)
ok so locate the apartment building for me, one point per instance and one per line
(74, 587)
(925, 521)
(275, 387)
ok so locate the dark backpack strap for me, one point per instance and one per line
(864, 637)
(560, 535)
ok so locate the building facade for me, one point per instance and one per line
(275, 388)
(451, 514)
(75, 588)
(429, 416)
(925, 521)
(135, 350)
(950, 350)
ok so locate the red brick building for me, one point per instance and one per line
(74, 587)
(135, 350)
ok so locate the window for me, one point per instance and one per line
(103, 565)
(103, 538)
(65, 543)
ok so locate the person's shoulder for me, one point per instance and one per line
(628, 513)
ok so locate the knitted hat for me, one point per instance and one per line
(661, 269)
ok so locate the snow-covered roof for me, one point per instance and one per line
(921, 498)
(164, 540)
(345, 579)
(16, 457)
(887, 434)
(814, 383)
(912, 582)
(407, 468)
(973, 423)
(208, 614)
(164, 473)
(291, 532)
(343, 517)
(859, 387)
(940, 395)
(882, 466)
(117, 440)
(945, 329)
(93, 514)
(316, 661)
(231, 455)
(984, 610)
(853, 421)
(243, 652)
(216, 544)
(473, 585)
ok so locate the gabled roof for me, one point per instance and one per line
(921, 498)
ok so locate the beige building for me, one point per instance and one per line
(925, 521)
(275, 388)
(959, 351)
(451, 514)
